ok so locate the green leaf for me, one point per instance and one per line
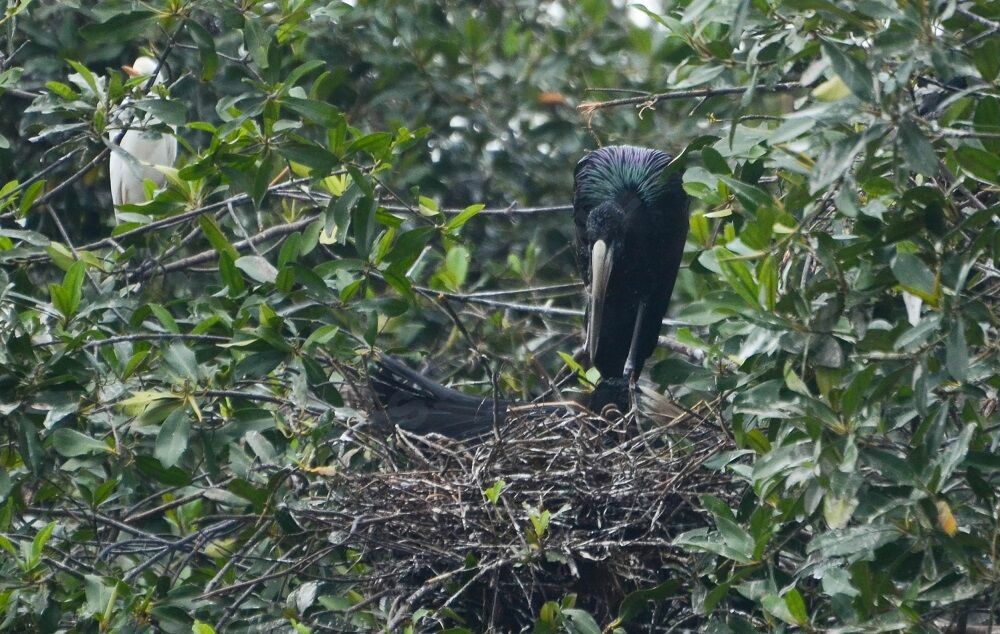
(987, 59)
(289, 249)
(915, 276)
(376, 144)
(580, 622)
(837, 511)
(311, 155)
(84, 72)
(855, 543)
(767, 273)
(218, 240)
(337, 217)
(853, 396)
(256, 40)
(261, 446)
(181, 361)
(29, 447)
(493, 493)
(787, 458)
(701, 539)
(285, 281)
(638, 602)
(5, 485)
(30, 195)
(230, 275)
(301, 71)
(66, 296)
(776, 606)
(957, 352)
(408, 247)
(979, 164)
(833, 89)
(956, 451)
(8, 546)
(987, 120)
(918, 152)
(796, 607)
(735, 537)
(750, 196)
(206, 48)
(168, 111)
(314, 111)
(120, 28)
(852, 71)
(737, 274)
(400, 284)
(258, 268)
(172, 477)
(832, 8)
(61, 90)
(539, 522)
(467, 214)
(165, 318)
(71, 443)
(456, 266)
(172, 440)
(363, 181)
(202, 628)
(38, 544)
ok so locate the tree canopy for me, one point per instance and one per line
(395, 176)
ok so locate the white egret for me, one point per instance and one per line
(150, 148)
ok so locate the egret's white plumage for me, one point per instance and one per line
(148, 147)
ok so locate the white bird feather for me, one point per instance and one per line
(148, 149)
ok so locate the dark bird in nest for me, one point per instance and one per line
(631, 217)
(418, 404)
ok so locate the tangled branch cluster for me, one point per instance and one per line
(496, 528)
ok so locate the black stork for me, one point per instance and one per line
(631, 218)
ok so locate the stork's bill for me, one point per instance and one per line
(600, 272)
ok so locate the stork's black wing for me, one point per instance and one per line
(420, 405)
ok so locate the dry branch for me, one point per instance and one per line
(649, 100)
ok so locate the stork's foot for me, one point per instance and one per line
(633, 393)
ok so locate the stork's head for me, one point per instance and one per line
(144, 67)
(606, 222)
(619, 188)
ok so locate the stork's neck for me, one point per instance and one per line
(629, 201)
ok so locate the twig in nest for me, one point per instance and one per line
(559, 499)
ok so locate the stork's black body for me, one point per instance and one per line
(631, 220)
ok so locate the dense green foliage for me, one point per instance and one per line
(166, 384)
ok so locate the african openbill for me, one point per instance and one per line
(631, 217)
(631, 224)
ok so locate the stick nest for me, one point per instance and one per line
(552, 503)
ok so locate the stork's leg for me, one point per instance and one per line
(632, 362)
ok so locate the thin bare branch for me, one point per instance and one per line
(650, 100)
